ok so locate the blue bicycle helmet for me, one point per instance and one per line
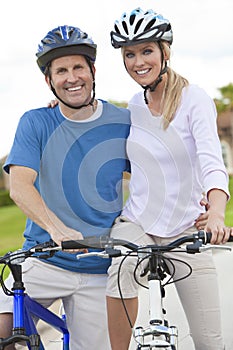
(63, 41)
(138, 27)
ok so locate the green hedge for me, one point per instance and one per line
(5, 199)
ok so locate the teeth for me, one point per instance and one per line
(142, 71)
(74, 88)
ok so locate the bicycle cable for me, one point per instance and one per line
(172, 274)
(119, 287)
(169, 281)
(4, 288)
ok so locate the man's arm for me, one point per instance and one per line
(28, 199)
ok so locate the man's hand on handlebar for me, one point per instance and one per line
(67, 234)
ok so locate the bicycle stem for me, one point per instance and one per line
(156, 309)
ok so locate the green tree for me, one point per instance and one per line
(119, 104)
(225, 102)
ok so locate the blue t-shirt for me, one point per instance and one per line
(80, 168)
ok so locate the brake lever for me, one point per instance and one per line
(45, 247)
(91, 254)
(198, 247)
(107, 253)
(215, 246)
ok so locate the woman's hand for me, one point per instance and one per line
(202, 219)
(52, 103)
(215, 225)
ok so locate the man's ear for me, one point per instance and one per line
(48, 81)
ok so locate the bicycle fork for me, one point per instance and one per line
(158, 334)
(18, 331)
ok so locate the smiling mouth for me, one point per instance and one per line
(142, 72)
(77, 88)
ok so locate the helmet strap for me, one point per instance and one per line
(75, 107)
(153, 86)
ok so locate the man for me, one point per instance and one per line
(65, 169)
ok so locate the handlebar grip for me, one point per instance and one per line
(78, 244)
(209, 235)
(97, 242)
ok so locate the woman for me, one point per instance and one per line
(173, 148)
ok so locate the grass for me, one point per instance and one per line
(12, 223)
(229, 208)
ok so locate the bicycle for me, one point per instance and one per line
(158, 334)
(25, 308)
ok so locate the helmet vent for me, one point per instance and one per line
(125, 27)
(47, 41)
(150, 24)
(138, 25)
(116, 29)
(70, 32)
(131, 19)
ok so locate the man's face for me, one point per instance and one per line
(72, 79)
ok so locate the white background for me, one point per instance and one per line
(202, 48)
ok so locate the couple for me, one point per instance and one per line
(66, 167)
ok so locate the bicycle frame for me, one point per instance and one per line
(25, 308)
(32, 308)
(159, 334)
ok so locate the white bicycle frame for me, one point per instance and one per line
(158, 334)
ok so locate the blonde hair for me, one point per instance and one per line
(173, 90)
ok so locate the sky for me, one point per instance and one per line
(202, 50)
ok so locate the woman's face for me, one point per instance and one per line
(143, 62)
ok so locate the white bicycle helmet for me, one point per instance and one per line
(139, 26)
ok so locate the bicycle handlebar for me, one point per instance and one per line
(105, 242)
(100, 242)
(199, 238)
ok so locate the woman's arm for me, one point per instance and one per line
(215, 224)
(203, 127)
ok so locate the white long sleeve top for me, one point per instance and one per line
(171, 168)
